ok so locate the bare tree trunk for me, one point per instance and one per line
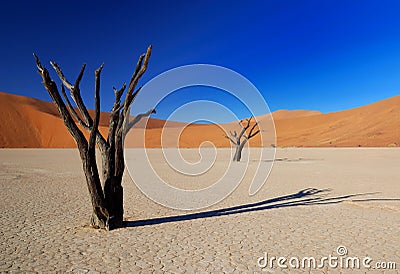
(106, 195)
(238, 152)
(100, 213)
(239, 140)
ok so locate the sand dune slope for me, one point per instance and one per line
(288, 114)
(376, 124)
(31, 123)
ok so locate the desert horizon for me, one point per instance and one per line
(32, 123)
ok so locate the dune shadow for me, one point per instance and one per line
(305, 197)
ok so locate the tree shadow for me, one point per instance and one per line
(305, 197)
(287, 160)
(377, 200)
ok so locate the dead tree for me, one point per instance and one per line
(247, 132)
(106, 194)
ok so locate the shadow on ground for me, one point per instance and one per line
(287, 160)
(305, 197)
(377, 200)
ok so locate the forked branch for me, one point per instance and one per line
(85, 120)
(52, 89)
(75, 91)
(72, 109)
(247, 132)
(131, 94)
(140, 69)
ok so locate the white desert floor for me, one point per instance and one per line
(313, 201)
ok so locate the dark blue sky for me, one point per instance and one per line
(319, 55)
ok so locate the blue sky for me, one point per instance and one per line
(316, 55)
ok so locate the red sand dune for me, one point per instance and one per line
(31, 123)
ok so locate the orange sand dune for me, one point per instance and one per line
(27, 122)
(287, 114)
(31, 123)
(377, 124)
(374, 125)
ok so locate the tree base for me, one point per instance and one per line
(110, 224)
(111, 216)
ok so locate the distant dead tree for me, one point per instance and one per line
(106, 194)
(247, 132)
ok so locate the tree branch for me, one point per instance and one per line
(141, 67)
(230, 139)
(137, 119)
(86, 121)
(114, 114)
(52, 89)
(72, 109)
(244, 127)
(75, 91)
(95, 126)
(254, 134)
(233, 134)
(135, 72)
(61, 75)
(251, 134)
(118, 95)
